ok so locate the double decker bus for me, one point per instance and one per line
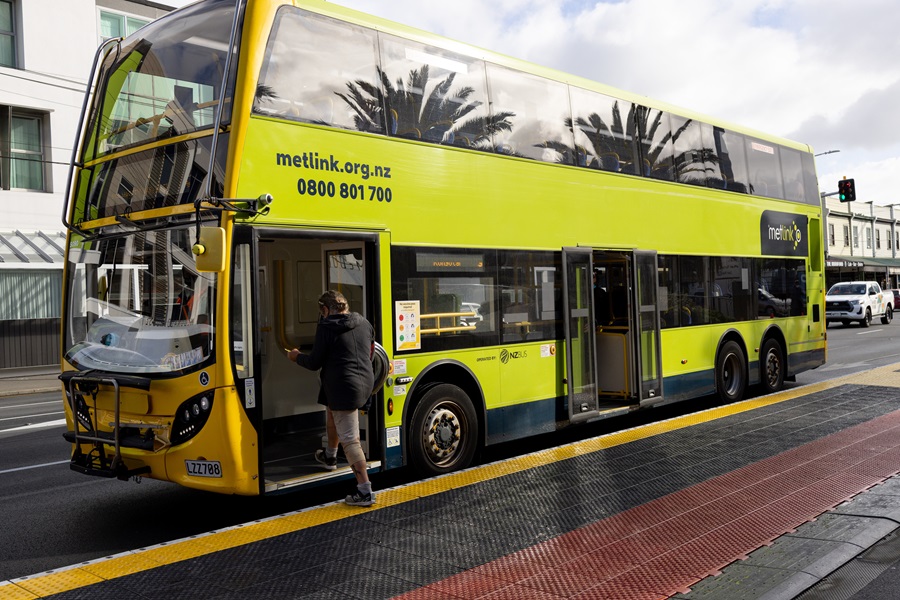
(534, 250)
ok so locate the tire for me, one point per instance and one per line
(887, 316)
(444, 432)
(731, 372)
(772, 367)
(866, 320)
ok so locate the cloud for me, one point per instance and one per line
(871, 123)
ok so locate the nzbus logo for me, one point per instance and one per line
(505, 355)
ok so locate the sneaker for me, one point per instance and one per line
(330, 464)
(358, 499)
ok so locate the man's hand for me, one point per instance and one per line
(293, 354)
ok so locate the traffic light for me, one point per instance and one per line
(847, 190)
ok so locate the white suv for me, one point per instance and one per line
(858, 301)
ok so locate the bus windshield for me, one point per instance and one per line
(163, 81)
(136, 304)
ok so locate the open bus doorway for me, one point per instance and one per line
(292, 272)
(612, 330)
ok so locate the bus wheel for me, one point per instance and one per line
(444, 433)
(772, 366)
(731, 372)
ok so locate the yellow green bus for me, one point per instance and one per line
(534, 250)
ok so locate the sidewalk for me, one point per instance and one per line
(29, 380)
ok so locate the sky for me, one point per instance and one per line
(821, 72)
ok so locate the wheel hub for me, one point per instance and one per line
(443, 434)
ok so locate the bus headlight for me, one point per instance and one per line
(190, 417)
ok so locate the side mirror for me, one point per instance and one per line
(210, 250)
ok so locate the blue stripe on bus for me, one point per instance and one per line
(521, 420)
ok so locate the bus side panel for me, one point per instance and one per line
(229, 439)
(531, 391)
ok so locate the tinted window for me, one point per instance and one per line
(322, 71)
(731, 151)
(731, 295)
(531, 295)
(782, 281)
(792, 172)
(434, 95)
(691, 152)
(765, 169)
(457, 291)
(529, 116)
(165, 81)
(656, 143)
(810, 181)
(604, 133)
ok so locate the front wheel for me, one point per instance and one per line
(867, 320)
(731, 372)
(444, 431)
(887, 316)
(772, 363)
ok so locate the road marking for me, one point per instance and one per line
(56, 412)
(51, 464)
(36, 426)
(32, 404)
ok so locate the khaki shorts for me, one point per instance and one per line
(346, 422)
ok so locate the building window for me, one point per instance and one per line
(113, 25)
(855, 236)
(846, 236)
(7, 34)
(868, 239)
(22, 164)
(878, 239)
(831, 234)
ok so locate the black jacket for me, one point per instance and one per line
(343, 350)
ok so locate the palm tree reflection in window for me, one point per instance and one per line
(640, 144)
(444, 117)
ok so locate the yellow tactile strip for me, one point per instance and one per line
(97, 571)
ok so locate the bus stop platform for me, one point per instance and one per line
(784, 496)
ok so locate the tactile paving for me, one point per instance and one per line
(639, 514)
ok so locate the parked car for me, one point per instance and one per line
(896, 293)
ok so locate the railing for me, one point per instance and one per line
(439, 328)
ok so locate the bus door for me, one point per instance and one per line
(581, 362)
(628, 326)
(647, 337)
(294, 268)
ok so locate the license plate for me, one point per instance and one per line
(203, 468)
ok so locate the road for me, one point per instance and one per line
(59, 518)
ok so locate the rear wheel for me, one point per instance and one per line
(444, 434)
(887, 316)
(731, 372)
(772, 364)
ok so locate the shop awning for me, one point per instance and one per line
(32, 249)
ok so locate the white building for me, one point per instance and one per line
(862, 242)
(47, 48)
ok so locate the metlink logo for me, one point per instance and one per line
(783, 233)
